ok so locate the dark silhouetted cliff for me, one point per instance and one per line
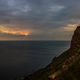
(64, 67)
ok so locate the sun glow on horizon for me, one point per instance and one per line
(11, 31)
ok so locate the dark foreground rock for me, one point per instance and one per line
(64, 67)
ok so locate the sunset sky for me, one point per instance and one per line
(38, 19)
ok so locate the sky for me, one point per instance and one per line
(38, 19)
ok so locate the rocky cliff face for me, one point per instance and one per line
(75, 42)
(72, 56)
(64, 67)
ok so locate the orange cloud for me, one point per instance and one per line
(4, 29)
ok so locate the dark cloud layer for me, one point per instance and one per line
(42, 17)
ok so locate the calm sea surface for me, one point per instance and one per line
(18, 58)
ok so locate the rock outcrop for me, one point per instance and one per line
(64, 67)
(75, 42)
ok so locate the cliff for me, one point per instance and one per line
(64, 67)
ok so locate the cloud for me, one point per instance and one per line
(70, 27)
(41, 18)
(15, 32)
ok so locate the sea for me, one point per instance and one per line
(21, 58)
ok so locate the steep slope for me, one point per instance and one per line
(73, 56)
(64, 67)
